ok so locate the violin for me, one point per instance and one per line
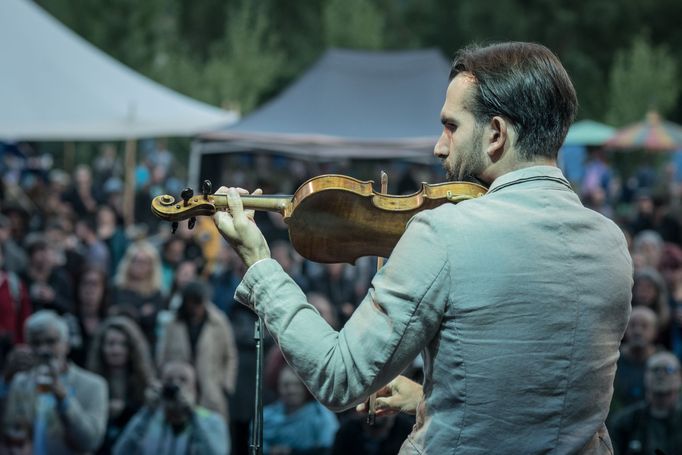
(331, 218)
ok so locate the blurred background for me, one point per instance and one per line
(109, 104)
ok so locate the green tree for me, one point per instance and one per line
(355, 24)
(247, 61)
(642, 78)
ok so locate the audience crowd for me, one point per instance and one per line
(126, 339)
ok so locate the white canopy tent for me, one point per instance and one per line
(56, 86)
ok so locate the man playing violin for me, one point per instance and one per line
(518, 299)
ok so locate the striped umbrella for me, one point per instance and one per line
(653, 134)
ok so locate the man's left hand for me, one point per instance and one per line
(239, 229)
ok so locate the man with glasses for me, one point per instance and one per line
(655, 423)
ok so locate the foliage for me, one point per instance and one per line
(242, 52)
(643, 77)
(353, 24)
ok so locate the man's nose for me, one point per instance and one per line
(440, 150)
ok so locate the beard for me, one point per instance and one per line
(469, 162)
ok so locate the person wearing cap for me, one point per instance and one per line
(655, 423)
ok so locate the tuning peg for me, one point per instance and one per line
(174, 227)
(186, 195)
(206, 188)
(192, 221)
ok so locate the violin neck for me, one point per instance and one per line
(264, 203)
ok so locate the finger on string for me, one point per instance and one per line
(234, 202)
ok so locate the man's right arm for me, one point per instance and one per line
(401, 314)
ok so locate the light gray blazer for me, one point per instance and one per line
(518, 300)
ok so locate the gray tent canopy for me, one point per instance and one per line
(54, 85)
(350, 104)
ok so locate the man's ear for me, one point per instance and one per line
(497, 138)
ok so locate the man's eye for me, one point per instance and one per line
(450, 127)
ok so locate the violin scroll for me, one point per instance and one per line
(189, 207)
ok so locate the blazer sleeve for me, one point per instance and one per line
(399, 316)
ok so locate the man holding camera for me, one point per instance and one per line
(56, 407)
(171, 422)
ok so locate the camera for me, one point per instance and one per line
(170, 392)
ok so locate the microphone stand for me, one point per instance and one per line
(257, 428)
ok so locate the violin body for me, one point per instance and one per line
(333, 218)
(343, 219)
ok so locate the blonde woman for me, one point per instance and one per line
(137, 287)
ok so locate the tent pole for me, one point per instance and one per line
(129, 187)
(69, 155)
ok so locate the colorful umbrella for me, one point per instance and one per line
(589, 132)
(653, 133)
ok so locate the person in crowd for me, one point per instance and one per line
(110, 231)
(83, 195)
(171, 423)
(649, 290)
(639, 345)
(56, 407)
(107, 164)
(652, 425)
(137, 287)
(173, 252)
(202, 336)
(296, 423)
(644, 218)
(95, 251)
(92, 304)
(671, 269)
(647, 249)
(15, 305)
(64, 246)
(224, 277)
(20, 359)
(510, 294)
(119, 352)
(49, 286)
(185, 273)
(15, 257)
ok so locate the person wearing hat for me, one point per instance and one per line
(653, 424)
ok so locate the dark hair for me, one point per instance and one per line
(194, 291)
(140, 366)
(104, 302)
(526, 84)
